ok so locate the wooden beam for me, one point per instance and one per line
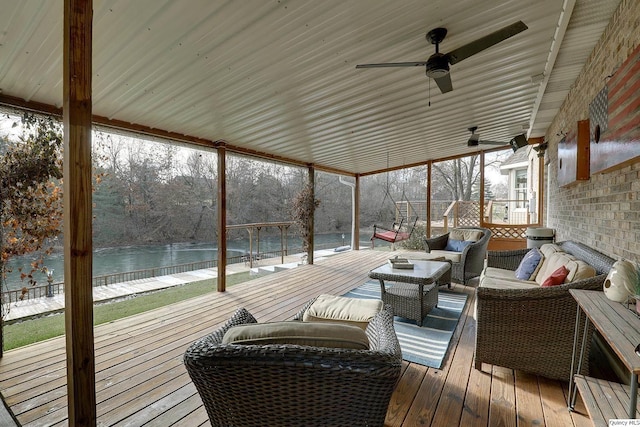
(482, 224)
(222, 219)
(312, 185)
(427, 230)
(541, 192)
(356, 208)
(78, 248)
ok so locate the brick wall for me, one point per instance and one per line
(603, 212)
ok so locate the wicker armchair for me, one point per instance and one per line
(532, 330)
(292, 385)
(472, 259)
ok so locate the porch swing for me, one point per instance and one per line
(403, 225)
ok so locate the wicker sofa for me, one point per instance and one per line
(467, 263)
(296, 385)
(531, 328)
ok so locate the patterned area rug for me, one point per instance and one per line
(426, 345)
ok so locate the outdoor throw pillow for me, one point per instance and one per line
(529, 264)
(457, 245)
(556, 278)
(351, 311)
(314, 334)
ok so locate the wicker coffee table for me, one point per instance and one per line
(415, 292)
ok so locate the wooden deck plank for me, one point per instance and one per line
(140, 378)
(476, 405)
(458, 368)
(554, 403)
(528, 403)
(405, 393)
(502, 411)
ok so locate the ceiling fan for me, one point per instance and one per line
(437, 66)
(516, 142)
(474, 139)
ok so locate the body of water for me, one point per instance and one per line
(130, 258)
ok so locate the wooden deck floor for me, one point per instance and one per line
(140, 378)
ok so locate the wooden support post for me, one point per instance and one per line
(481, 213)
(356, 207)
(281, 244)
(427, 230)
(81, 379)
(222, 219)
(312, 185)
(541, 220)
(250, 256)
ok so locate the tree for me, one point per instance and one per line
(459, 179)
(302, 208)
(459, 176)
(30, 196)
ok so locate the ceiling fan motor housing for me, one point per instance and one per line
(437, 66)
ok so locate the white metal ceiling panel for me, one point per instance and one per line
(279, 76)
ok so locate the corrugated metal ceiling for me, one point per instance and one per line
(279, 77)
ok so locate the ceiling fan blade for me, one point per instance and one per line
(392, 64)
(444, 83)
(492, 142)
(485, 42)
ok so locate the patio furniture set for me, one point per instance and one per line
(337, 362)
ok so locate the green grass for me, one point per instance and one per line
(30, 331)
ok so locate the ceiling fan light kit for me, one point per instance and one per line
(474, 139)
(437, 66)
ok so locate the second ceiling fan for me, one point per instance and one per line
(437, 66)
(474, 139)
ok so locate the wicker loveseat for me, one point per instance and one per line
(466, 263)
(532, 328)
(295, 385)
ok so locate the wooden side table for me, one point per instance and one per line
(620, 327)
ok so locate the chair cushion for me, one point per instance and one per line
(352, 311)
(556, 278)
(549, 248)
(584, 271)
(470, 235)
(529, 265)
(312, 334)
(553, 262)
(508, 284)
(388, 236)
(498, 273)
(449, 255)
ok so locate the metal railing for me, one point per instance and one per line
(50, 289)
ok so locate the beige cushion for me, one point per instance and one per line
(456, 234)
(420, 256)
(450, 255)
(332, 335)
(469, 235)
(584, 271)
(352, 311)
(550, 248)
(499, 273)
(496, 283)
(555, 261)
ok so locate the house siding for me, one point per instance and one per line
(604, 211)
